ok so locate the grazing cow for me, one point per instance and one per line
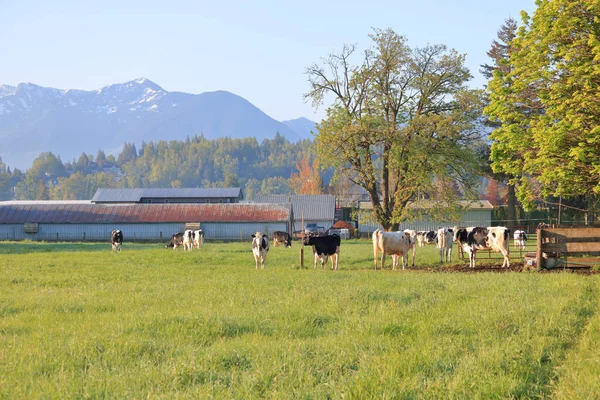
(323, 247)
(198, 238)
(282, 238)
(260, 247)
(445, 241)
(188, 240)
(494, 238)
(520, 238)
(176, 240)
(116, 239)
(396, 244)
(412, 235)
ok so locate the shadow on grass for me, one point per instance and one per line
(26, 246)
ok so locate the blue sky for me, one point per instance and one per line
(256, 49)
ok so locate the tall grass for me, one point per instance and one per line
(79, 321)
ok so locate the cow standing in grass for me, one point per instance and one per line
(494, 238)
(116, 239)
(324, 247)
(198, 238)
(282, 238)
(396, 244)
(188, 240)
(260, 248)
(445, 240)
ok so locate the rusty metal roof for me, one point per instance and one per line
(14, 212)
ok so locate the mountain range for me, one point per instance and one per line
(35, 119)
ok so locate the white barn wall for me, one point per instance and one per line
(150, 232)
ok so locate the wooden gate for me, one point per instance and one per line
(568, 247)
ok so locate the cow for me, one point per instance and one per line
(445, 240)
(198, 238)
(413, 243)
(323, 247)
(260, 248)
(176, 240)
(520, 238)
(396, 244)
(188, 240)
(282, 238)
(426, 237)
(478, 238)
(116, 238)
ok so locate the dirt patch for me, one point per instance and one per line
(514, 267)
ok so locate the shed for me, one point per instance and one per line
(317, 209)
(83, 220)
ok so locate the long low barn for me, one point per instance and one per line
(83, 220)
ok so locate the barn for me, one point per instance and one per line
(475, 213)
(84, 220)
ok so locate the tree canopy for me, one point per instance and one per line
(548, 103)
(401, 119)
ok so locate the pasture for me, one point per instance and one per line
(80, 321)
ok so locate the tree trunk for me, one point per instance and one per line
(511, 209)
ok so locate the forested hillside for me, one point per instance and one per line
(196, 162)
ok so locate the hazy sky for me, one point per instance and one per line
(256, 49)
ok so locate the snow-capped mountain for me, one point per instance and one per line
(35, 119)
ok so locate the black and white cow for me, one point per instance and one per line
(188, 240)
(116, 238)
(426, 237)
(198, 238)
(323, 247)
(520, 238)
(260, 248)
(494, 238)
(176, 240)
(282, 238)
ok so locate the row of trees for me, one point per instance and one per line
(274, 166)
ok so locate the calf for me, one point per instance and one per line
(323, 247)
(478, 238)
(444, 243)
(520, 238)
(198, 238)
(116, 239)
(282, 238)
(176, 240)
(396, 244)
(260, 248)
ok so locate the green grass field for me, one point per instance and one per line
(79, 321)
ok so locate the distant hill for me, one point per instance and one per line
(302, 126)
(35, 119)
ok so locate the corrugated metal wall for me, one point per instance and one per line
(468, 218)
(153, 232)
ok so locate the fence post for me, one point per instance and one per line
(538, 255)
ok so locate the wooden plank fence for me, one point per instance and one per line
(568, 247)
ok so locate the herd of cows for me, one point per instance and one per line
(396, 244)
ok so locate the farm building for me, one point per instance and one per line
(475, 213)
(182, 195)
(84, 220)
(317, 209)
